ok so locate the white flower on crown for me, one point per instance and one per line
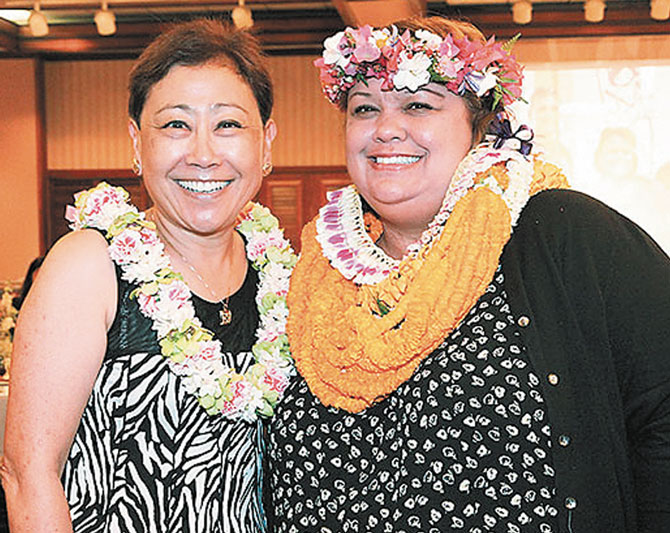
(488, 82)
(332, 53)
(428, 39)
(381, 37)
(412, 71)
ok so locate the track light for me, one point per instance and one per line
(594, 10)
(242, 16)
(522, 12)
(660, 9)
(105, 20)
(38, 22)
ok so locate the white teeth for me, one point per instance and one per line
(202, 186)
(396, 160)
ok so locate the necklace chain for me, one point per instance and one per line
(225, 314)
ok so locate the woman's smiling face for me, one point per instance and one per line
(403, 148)
(202, 145)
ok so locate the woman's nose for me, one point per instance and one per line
(202, 151)
(390, 126)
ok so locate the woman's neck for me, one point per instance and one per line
(219, 259)
(395, 240)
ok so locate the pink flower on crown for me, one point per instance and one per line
(448, 68)
(365, 45)
(448, 65)
(448, 47)
(484, 55)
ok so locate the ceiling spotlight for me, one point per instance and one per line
(660, 9)
(594, 10)
(242, 16)
(105, 21)
(522, 12)
(38, 22)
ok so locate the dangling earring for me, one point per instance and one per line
(137, 167)
(267, 168)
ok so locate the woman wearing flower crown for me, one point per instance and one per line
(151, 343)
(478, 348)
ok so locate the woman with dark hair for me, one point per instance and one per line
(152, 344)
(479, 349)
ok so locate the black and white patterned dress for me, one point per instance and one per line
(146, 457)
(464, 445)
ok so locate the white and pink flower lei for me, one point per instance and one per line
(163, 297)
(413, 59)
(347, 245)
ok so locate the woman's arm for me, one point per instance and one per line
(59, 346)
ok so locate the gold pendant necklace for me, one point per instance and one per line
(225, 314)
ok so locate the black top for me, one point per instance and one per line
(146, 456)
(589, 294)
(131, 330)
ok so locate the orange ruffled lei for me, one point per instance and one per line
(351, 356)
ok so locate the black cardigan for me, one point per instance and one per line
(591, 293)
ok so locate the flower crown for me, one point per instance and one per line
(413, 59)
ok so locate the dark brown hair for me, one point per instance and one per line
(196, 43)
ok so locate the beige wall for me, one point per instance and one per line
(19, 191)
(86, 114)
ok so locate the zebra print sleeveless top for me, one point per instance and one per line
(146, 457)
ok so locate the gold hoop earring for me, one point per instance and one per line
(137, 167)
(267, 168)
